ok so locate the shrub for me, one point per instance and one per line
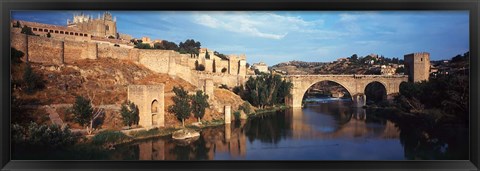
(116, 45)
(109, 137)
(200, 67)
(224, 70)
(236, 114)
(245, 107)
(129, 112)
(16, 55)
(32, 81)
(43, 136)
(224, 86)
(27, 30)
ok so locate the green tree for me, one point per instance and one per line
(18, 24)
(49, 35)
(32, 81)
(207, 56)
(266, 90)
(400, 70)
(143, 46)
(129, 112)
(199, 104)
(85, 113)
(27, 30)
(16, 55)
(190, 46)
(181, 107)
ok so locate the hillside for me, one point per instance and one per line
(108, 79)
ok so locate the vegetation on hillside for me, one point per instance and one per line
(199, 104)
(129, 112)
(265, 90)
(181, 107)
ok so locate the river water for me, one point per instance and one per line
(328, 129)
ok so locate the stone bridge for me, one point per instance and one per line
(354, 84)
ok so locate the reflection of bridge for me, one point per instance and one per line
(355, 85)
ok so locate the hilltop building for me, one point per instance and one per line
(262, 67)
(102, 26)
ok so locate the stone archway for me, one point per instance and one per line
(300, 90)
(375, 91)
(155, 107)
(150, 102)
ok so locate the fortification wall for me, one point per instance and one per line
(54, 51)
(45, 50)
(155, 60)
(74, 51)
(19, 42)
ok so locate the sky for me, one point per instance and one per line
(280, 36)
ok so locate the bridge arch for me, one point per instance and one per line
(376, 91)
(354, 84)
(325, 80)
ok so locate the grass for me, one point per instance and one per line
(110, 137)
(155, 132)
(261, 112)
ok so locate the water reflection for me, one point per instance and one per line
(320, 131)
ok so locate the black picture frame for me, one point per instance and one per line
(472, 6)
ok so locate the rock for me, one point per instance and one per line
(185, 134)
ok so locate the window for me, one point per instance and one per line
(34, 29)
(40, 29)
(61, 32)
(85, 35)
(106, 27)
(51, 31)
(71, 33)
(421, 59)
(81, 34)
(56, 31)
(46, 30)
(76, 34)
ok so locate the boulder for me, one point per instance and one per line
(185, 134)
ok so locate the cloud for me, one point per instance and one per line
(257, 24)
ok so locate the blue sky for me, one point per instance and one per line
(281, 36)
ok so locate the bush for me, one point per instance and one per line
(245, 107)
(200, 67)
(32, 81)
(129, 112)
(109, 137)
(116, 45)
(223, 86)
(43, 136)
(236, 114)
(224, 70)
(16, 55)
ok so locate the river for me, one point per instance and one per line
(328, 129)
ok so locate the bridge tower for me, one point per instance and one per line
(417, 66)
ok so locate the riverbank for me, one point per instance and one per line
(267, 111)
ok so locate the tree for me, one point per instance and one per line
(18, 24)
(266, 90)
(49, 35)
(400, 70)
(27, 30)
(200, 67)
(224, 70)
(143, 46)
(199, 104)
(16, 55)
(207, 56)
(222, 56)
(190, 46)
(181, 107)
(85, 113)
(129, 112)
(32, 80)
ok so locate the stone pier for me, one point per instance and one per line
(228, 114)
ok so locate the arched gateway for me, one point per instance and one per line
(355, 85)
(150, 102)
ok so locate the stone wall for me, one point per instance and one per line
(44, 50)
(53, 51)
(74, 50)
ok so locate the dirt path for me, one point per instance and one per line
(53, 115)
